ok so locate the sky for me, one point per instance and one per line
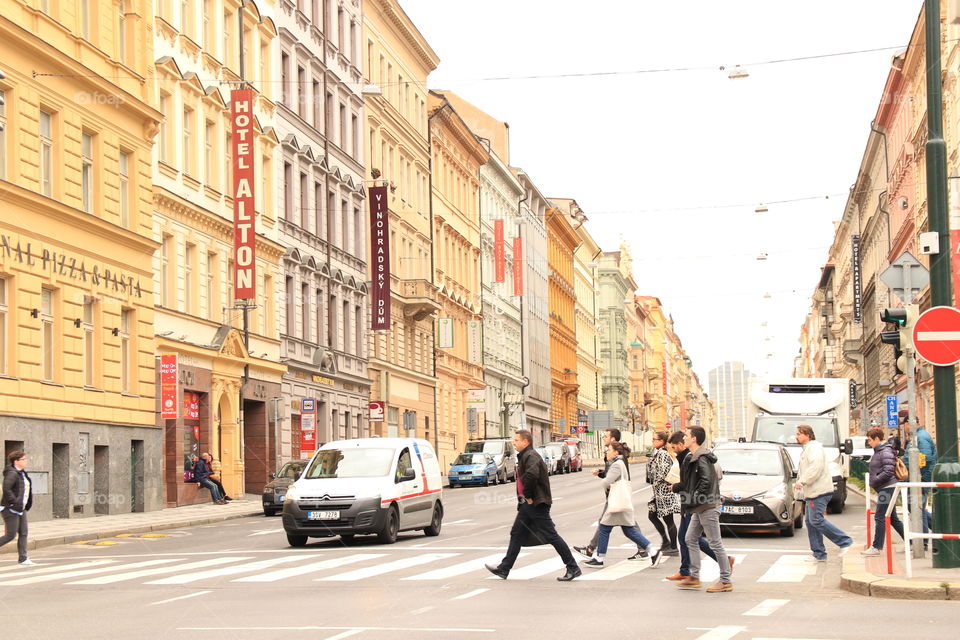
(670, 155)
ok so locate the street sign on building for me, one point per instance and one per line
(936, 336)
(892, 421)
(906, 277)
(600, 420)
(377, 410)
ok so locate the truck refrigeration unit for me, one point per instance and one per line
(778, 406)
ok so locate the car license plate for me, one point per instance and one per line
(323, 515)
(280, 498)
(736, 509)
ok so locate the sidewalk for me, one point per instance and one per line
(869, 577)
(68, 530)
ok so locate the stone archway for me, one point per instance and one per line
(225, 435)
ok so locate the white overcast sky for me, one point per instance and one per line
(658, 158)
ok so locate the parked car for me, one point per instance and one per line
(757, 487)
(561, 456)
(547, 456)
(503, 454)
(472, 468)
(576, 458)
(376, 486)
(860, 448)
(275, 490)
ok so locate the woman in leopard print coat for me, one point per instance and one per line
(664, 503)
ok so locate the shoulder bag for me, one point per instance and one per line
(620, 498)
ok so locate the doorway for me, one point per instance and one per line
(61, 480)
(101, 480)
(136, 476)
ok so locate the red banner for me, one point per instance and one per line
(379, 258)
(244, 228)
(683, 415)
(499, 265)
(168, 386)
(663, 367)
(518, 266)
(191, 405)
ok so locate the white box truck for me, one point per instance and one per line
(777, 406)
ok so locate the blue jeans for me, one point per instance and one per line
(883, 499)
(818, 526)
(630, 531)
(214, 492)
(684, 551)
(927, 516)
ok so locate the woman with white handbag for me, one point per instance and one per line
(619, 511)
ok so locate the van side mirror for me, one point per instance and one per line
(273, 476)
(848, 446)
(409, 474)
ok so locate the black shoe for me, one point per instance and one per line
(593, 563)
(671, 551)
(497, 571)
(227, 498)
(639, 555)
(575, 572)
(586, 552)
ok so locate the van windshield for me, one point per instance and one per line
(783, 429)
(493, 447)
(350, 463)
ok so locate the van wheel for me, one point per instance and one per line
(388, 535)
(436, 522)
(296, 541)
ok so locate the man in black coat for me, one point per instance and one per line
(533, 510)
(16, 501)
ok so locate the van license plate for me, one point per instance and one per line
(323, 515)
(733, 509)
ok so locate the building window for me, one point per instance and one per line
(317, 104)
(319, 312)
(304, 200)
(121, 31)
(210, 293)
(345, 221)
(165, 270)
(4, 306)
(207, 25)
(189, 255)
(228, 167)
(343, 127)
(355, 132)
(124, 175)
(3, 134)
(89, 357)
(289, 306)
(187, 140)
(301, 92)
(357, 233)
(186, 23)
(346, 326)
(46, 334)
(209, 131)
(331, 215)
(164, 128)
(228, 19)
(284, 79)
(86, 171)
(331, 321)
(287, 191)
(317, 200)
(305, 312)
(268, 316)
(46, 153)
(126, 346)
(358, 332)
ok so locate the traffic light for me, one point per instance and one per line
(904, 318)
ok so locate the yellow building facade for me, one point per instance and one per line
(562, 242)
(76, 294)
(398, 59)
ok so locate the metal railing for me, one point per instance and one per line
(907, 534)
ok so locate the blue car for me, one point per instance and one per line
(473, 468)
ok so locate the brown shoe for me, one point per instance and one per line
(689, 583)
(220, 502)
(676, 576)
(720, 587)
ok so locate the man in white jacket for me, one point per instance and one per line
(817, 485)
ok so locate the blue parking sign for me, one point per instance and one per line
(892, 421)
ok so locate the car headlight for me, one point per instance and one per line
(268, 489)
(779, 491)
(293, 493)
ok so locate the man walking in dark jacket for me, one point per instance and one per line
(700, 497)
(533, 510)
(17, 500)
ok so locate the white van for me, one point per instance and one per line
(366, 486)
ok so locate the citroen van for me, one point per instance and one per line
(379, 486)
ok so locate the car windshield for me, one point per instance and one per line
(760, 462)
(558, 448)
(784, 429)
(350, 463)
(493, 447)
(291, 470)
(471, 458)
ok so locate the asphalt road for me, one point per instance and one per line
(239, 579)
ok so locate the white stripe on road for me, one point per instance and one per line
(345, 634)
(789, 569)
(616, 571)
(189, 595)
(86, 572)
(470, 594)
(280, 574)
(264, 532)
(721, 633)
(380, 569)
(938, 335)
(534, 570)
(229, 571)
(32, 571)
(459, 569)
(417, 612)
(710, 570)
(131, 575)
(766, 607)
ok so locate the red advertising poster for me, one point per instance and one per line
(191, 405)
(244, 228)
(499, 255)
(683, 415)
(379, 258)
(518, 266)
(168, 386)
(663, 367)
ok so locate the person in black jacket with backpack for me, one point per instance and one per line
(16, 501)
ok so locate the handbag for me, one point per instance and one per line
(620, 498)
(900, 470)
(673, 476)
(532, 537)
(215, 477)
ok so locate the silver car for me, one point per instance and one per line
(757, 487)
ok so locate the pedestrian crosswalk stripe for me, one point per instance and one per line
(459, 569)
(616, 571)
(130, 575)
(766, 607)
(710, 570)
(721, 633)
(534, 570)
(32, 571)
(229, 571)
(62, 575)
(396, 565)
(789, 569)
(332, 563)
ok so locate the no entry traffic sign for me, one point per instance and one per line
(936, 336)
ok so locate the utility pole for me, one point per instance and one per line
(946, 502)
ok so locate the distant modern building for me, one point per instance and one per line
(730, 393)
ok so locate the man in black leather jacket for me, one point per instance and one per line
(17, 500)
(533, 510)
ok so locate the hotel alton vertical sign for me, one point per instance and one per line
(380, 257)
(244, 229)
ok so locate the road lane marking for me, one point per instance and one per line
(460, 568)
(470, 594)
(534, 570)
(710, 570)
(417, 612)
(721, 633)
(766, 607)
(789, 569)
(616, 571)
(265, 532)
(332, 563)
(189, 595)
(50, 568)
(317, 628)
(396, 565)
(228, 571)
(345, 634)
(86, 572)
(131, 575)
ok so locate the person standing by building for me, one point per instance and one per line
(533, 510)
(816, 482)
(928, 460)
(664, 502)
(883, 479)
(17, 500)
(700, 496)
